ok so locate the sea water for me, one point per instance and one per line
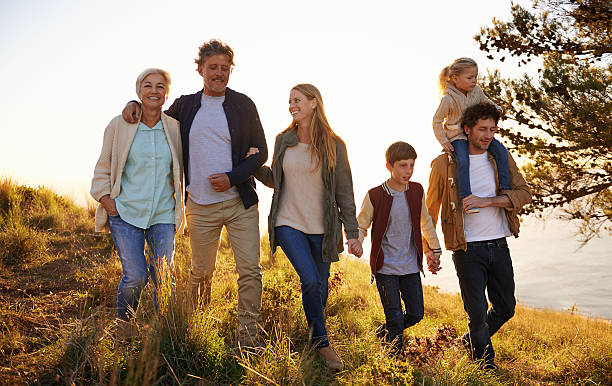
(550, 270)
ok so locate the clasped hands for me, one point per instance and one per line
(433, 262)
(354, 247)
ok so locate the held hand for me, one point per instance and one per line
(433, 262)
(354, 247)
(252, 151)
(109, 205)
(448, 147)
(131, 112)
(220, 182)
(473, 201)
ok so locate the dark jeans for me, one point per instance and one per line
(305, 254)
(485, 265)
(393, 289)
(462, 156)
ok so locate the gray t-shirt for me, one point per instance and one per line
(210, 152)
(397, 244)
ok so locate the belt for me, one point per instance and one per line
(501, 242)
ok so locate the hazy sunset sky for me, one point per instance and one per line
(69, 67)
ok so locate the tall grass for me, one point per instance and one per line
(70, 336)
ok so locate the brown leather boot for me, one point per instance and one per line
(332, 360)
(125, 330)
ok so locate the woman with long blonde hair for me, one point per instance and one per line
(313, 198)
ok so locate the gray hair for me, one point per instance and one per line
(150, 71)
(213, 47)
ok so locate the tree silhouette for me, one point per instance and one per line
(561, 119)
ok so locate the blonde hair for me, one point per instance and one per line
(455, 68)
(150, 71)
(322, 137)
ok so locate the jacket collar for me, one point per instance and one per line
(387, 189)
(452, 91)
(290, 138)
(198, 96)
(450, 88)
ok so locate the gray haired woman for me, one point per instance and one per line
(138, 183)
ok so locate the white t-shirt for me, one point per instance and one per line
(491, 223)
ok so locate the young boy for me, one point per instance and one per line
(398, 215)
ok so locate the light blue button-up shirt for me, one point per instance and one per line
(147, 196)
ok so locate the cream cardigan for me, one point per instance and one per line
(447, 119)
(118, 137)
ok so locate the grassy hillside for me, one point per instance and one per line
(57, 292)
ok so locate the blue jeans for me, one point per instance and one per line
(305, 254)
(392, 290)
(129, 242)
(462, 155)
(486, 265)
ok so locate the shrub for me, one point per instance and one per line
(20, 244)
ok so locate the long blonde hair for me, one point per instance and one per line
(322, 137)
(455, 68)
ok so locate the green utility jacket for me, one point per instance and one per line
(338, 202)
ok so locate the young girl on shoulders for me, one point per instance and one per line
(460, 90)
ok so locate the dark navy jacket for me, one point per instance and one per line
(245, 131)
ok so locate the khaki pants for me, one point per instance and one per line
(205, 223)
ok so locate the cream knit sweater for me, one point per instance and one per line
(447, 119)
(118, 137)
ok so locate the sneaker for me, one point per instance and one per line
(332, 360)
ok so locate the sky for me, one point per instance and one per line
(68, 67)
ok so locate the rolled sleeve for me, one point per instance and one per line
(428, 230)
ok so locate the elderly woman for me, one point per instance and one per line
(138, 183)
(313, 197)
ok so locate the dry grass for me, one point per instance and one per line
(57, 294)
